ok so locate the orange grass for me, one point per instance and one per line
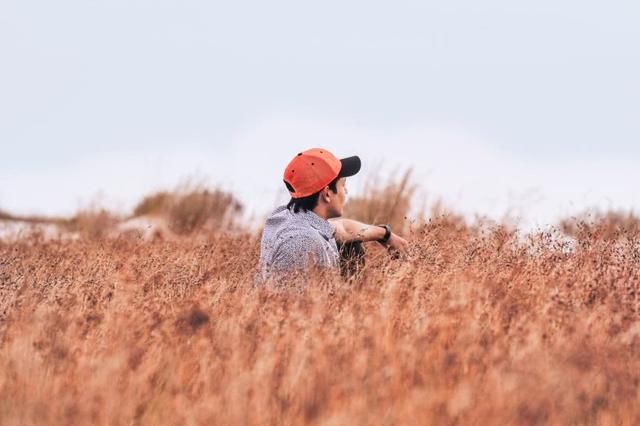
(192, 207)
(478, 326)
(380, 202)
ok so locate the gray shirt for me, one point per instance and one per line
(295, 241)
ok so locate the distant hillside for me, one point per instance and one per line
(30, 219)
(5, 216)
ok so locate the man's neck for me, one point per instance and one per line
(322, 212)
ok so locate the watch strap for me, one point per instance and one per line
(387, 234)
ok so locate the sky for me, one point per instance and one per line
(524, 108)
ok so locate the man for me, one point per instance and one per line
(305, 233)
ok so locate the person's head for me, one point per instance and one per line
(316, 180)
(329, 202)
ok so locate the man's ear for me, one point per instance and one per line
(326, 194)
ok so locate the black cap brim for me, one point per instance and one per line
(350, 166)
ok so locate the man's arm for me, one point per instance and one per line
(348, 230)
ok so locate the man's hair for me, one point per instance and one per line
(311, 202)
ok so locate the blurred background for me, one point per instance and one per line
(499, 108)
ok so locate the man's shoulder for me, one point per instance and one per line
(288, 231)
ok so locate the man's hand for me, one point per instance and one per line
(398, 244)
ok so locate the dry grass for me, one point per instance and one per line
(192, 207)
(93, 223)
(388, 202)
(611, 225)
(477, 328)
(480, 325)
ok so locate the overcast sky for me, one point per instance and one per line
(498, 106)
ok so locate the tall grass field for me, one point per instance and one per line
(480, 324)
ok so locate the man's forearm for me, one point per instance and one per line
(348, 230)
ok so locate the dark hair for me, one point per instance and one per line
(311, 202)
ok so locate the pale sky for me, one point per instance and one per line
(498, 106)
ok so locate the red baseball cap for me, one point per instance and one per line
(310, 171)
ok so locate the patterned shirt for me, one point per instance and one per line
(295, 241)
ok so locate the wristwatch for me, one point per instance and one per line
(387, 234)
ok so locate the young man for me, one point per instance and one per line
(305, 232)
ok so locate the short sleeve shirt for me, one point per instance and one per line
(296, 241)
